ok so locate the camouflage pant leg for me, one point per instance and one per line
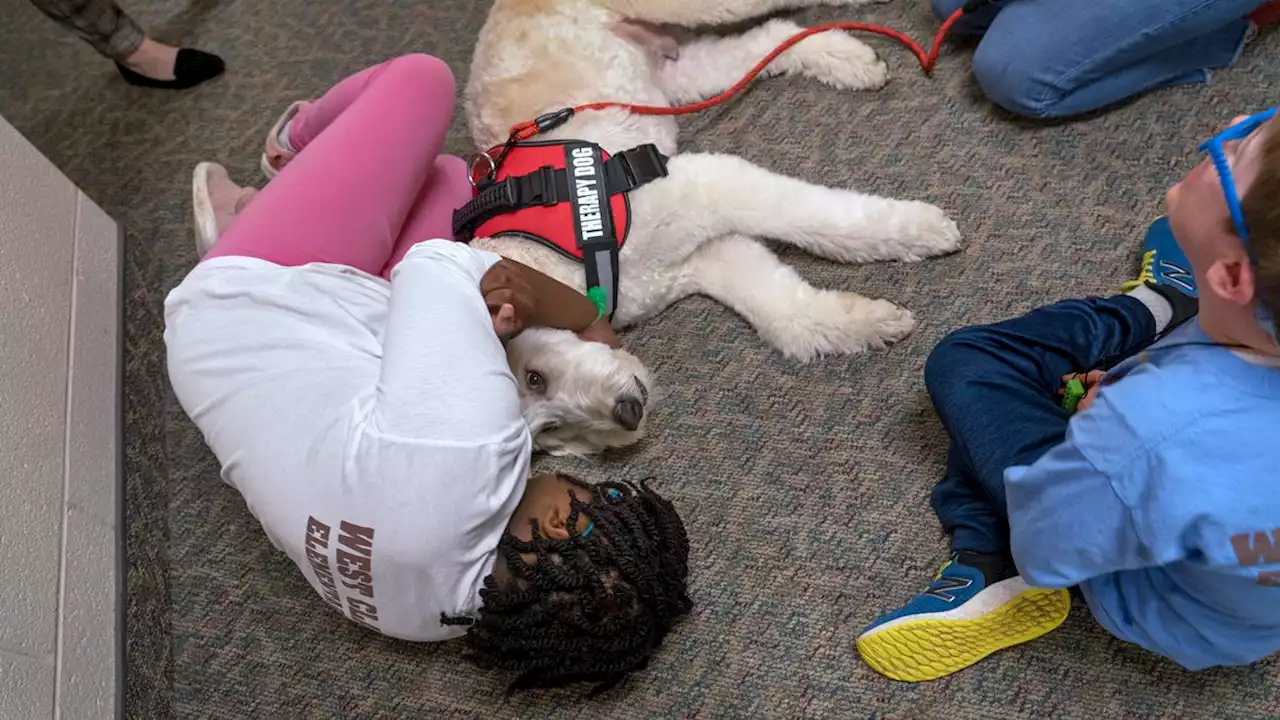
(101, 23)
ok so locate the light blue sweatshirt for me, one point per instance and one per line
(1163, 504)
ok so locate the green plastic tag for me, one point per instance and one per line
(597, 296)
(1072, 395)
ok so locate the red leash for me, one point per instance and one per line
(528, 129)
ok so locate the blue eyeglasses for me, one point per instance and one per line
(1213, 146)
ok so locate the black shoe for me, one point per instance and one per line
(191, 68)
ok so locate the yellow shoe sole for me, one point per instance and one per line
(1146, 266)
(934, 646)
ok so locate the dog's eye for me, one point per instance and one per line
(535, 381)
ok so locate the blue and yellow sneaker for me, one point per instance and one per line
(958, 620)
(1163, 262)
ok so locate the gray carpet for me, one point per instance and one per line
(804, 488)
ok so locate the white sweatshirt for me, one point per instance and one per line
(373, 428)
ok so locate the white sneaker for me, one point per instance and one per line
(278, 152)
(215, 203)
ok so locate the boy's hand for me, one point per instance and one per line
(1092, 382)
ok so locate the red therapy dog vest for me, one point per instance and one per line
(552, 225)
(568, 195)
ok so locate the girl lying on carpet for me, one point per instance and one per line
(1159, 499)
(351, 380)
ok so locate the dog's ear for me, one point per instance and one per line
(628, 412)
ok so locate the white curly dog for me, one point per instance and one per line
(697, 230)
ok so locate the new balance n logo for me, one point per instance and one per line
(945, 585)
(1177, 275)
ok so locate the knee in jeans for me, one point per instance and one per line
(951, 353)
(430, 72)
(1014, 78)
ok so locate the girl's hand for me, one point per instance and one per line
(505, 322)
(601, 332)
(535, 299)
(512, 301)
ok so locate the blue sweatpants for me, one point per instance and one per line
(994, 388)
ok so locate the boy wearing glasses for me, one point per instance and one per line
(1159, 497)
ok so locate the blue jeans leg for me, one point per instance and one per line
(994, 387)
(1049, 58)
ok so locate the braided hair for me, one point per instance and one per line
(593, 606)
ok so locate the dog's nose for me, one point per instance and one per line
(628, 412)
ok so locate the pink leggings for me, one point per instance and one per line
(368, 181)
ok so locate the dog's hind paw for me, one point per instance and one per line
(837, 59)
(844, 323)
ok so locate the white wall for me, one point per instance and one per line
(60, 523)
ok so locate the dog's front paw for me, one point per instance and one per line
(928, 232)
(889, 323)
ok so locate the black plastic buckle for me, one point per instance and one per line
(510, 194)
(642, 165)
(536, 188)
(553, 120)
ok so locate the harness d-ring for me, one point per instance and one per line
(474, 163)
